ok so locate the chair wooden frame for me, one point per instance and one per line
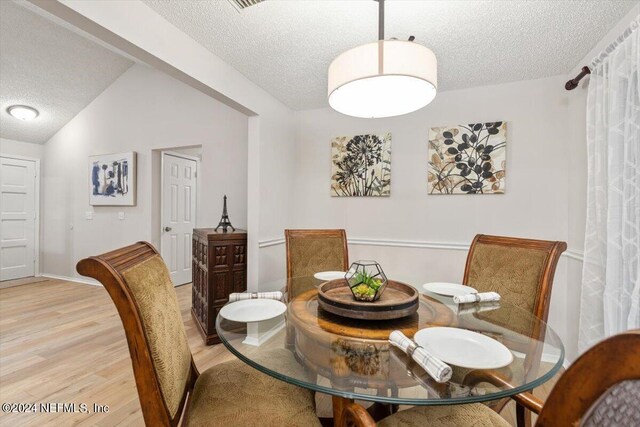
(294, 234)
(107, 269)
(553, 248)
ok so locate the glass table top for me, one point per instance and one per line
(351, 358)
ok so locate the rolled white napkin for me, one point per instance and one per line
(439, 371)
(480, 297)
(277, 295)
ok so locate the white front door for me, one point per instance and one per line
(17, 218)
(178, 214)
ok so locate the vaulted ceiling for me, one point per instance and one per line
(49, 67)
(287, 46)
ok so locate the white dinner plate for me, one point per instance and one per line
(448, 289)
(464, 348)
(329, 275)
(253, 310)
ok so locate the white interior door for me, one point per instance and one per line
(178, 214)
(18, 218)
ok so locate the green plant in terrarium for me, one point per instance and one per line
(366, 280)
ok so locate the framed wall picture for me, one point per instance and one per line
(467, 159)
(361, 166)
(112, 179)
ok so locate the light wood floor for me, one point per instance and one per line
(63, 342)
(17, 282)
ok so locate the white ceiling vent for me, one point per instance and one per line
(241, 4)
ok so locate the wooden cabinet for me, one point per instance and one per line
(219, 266)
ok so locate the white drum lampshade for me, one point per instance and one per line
(383, 79)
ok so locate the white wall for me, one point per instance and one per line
(165, 47)
(536, 168)
(535, 204)
(19, 148)
(277, 175)
(142, 111)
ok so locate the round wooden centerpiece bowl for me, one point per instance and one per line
(398, 300)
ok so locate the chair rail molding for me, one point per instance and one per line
(574, 254)
(270, 242)
(420, 244)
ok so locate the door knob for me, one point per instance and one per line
(167, 229)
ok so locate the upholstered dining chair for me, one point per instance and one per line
(170, 388)
(522, 272)
(600, 389)
(311, 251)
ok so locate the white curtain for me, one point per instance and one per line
(610, 301)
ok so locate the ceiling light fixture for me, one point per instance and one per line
(23, 112)
(383, 79)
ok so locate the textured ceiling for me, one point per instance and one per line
(51, 68)
(286, 46)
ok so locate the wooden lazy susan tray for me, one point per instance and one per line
(398, 300)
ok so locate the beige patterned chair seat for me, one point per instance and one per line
(472, 415)
(234, 394)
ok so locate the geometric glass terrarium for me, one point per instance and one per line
(366, 280)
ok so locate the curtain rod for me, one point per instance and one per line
(573, 83)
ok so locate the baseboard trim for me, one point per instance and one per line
(419, 244)
(72, 279)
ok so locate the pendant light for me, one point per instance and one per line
(384, 78)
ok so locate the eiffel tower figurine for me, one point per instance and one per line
(224, 221)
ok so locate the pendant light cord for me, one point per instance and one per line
(380, 19)
(380, 37)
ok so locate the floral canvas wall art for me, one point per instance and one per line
(112, 179)
(361, 165)
(467, 159)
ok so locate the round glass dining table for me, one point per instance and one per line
(352, 359)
